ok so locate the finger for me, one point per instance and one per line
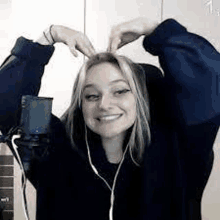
(84, 49)
(73, 51)
(114, 44)
(87, 48)
(113, 34)
(109, 44)
(91, 49)
(92, 52)
(88, 52)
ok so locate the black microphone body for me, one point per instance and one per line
(34, 129)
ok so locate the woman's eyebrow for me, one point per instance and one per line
(118, 80)
(88, 85)
(110, 83)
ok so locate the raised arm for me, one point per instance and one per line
(189, 96)
(21, 72)
(190, 64)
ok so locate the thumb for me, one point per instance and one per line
(114, 44)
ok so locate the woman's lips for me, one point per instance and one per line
(108, 118)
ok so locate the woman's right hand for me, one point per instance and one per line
(75, 40)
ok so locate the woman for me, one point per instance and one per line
(108, 159)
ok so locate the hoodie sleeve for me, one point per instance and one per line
(20, 74)
(192, 73)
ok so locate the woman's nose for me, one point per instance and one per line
(105, 102)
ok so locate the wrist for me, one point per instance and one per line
(49, 36)
(62, 34)
(46, 38)
(54, 32)
(149, 26)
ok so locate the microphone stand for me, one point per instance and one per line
(32, 147)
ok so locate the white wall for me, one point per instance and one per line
(5, 27)
(29, 18)
(101, 16)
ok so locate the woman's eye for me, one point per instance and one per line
(123, 91)
(92, 97)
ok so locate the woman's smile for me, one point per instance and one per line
(109, 118)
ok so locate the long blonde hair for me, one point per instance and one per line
(73, 117)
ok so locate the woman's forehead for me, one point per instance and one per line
(104, 72)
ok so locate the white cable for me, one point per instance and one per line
(90, 161)
(23, 176)
(114, 184)
(112, 198)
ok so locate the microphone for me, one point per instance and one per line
(34, 128)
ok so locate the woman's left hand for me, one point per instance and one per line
(130, 31)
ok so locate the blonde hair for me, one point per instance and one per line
(73, 117)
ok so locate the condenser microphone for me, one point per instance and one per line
(34, 128)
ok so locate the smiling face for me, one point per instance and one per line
(108, 104)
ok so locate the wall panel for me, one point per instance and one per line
(6, 27)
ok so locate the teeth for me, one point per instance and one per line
(109, 118)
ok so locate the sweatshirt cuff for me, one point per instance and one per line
(155, 41)
(27, 49)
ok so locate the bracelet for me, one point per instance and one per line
(46, 37)
(51, 33)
